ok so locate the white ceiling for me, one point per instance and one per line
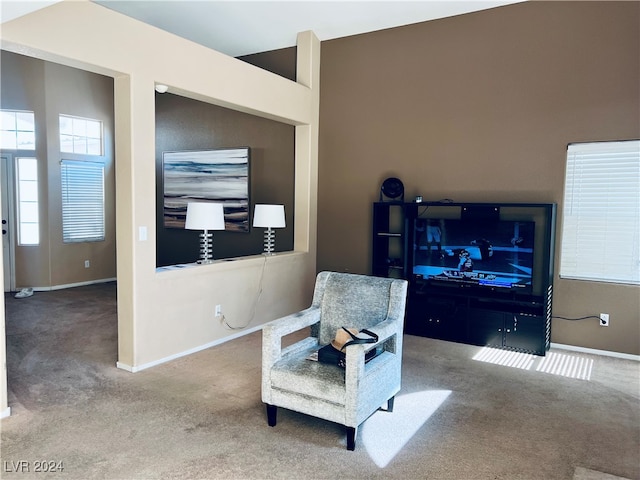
(243, 27)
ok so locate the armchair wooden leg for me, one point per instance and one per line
(390, 404)
(272, 412)
(351, 438)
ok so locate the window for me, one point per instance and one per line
(80, 135)
(82, 201)
(601, 215)
(17, 130)
(27, 194)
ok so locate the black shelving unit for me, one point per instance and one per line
(390, 236)
(496, 317)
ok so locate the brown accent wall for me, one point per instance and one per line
(480, 107)
(281, 62)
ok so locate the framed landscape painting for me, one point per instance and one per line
(218, 176)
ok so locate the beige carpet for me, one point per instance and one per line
(201, 417)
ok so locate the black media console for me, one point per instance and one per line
(479, 273)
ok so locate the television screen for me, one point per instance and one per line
(470, 252)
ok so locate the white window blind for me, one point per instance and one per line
(82, 201)
(601, 214)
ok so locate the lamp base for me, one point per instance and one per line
(206, 248)
(269, 242)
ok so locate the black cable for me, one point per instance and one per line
(581, 318)
(424, 211)
(441, 201)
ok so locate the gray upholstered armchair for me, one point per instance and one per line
(347, 396)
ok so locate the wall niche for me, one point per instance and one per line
(187, 124)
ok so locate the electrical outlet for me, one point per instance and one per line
(604, 319)
(218, 310)
(87, 264)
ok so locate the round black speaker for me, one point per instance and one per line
(392, 188)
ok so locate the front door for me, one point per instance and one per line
(6, 190)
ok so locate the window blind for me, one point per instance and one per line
(82, 201)
(601, 214)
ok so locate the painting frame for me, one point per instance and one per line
(218, 175)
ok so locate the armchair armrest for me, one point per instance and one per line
(273, 332)
(292, 323)
(385, 330)
(361, 378)
(389, 333)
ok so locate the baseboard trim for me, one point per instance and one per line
(5, 413)
(124, 366)
(593, 351)
(144, 366)
(71, 285)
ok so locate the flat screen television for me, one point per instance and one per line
(496, 254)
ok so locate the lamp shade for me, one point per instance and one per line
(269, 216)
(204, 216)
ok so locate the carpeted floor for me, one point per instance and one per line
(201, 416)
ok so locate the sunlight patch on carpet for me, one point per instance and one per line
(582, 473)
(384, 434)
(505, 357)
(562, 364)
(566, 365)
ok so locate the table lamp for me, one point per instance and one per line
(269, 216)
(205, 216)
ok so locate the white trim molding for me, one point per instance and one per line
(72, 285)
(6, 413)
(593, 351)
(144, 366)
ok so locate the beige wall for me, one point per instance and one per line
(164, 314)
(22, 87)
(49, 89)
(73, 92)
(476, 108)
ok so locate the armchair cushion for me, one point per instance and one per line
(306, 377)
(323, 381)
